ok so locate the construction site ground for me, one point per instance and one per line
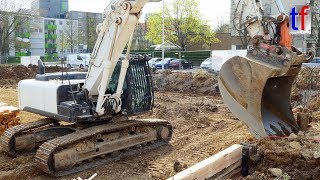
(202, 126)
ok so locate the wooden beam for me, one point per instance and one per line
(226, 159)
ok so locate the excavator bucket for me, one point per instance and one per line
(257, 89)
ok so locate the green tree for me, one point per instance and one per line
(183, 25)
(21, 45)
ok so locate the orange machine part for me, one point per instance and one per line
(286, 38)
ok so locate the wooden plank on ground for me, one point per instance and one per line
(228, 172)
(8, 109)
(3, 104)
(213, 165)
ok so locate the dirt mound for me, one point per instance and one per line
(297, 156)
(200, 82)
(10, 75)
(306, 85)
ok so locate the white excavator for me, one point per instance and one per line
(87, 114)
(94, 106)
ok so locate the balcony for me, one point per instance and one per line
(27, 35)
(23, 35)
(51, 27)
(18, 54)
(50, 36)
(50, 46)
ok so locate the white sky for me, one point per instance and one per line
(213, 11)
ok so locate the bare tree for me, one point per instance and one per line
(91, 34)
(139, 38)
(12, 18)
(222, 27)
(68, 38)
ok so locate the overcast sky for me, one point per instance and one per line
(212, 10)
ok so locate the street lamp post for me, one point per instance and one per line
(162, 34)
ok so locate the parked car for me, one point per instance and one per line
(314, 63)
(166, 63)
(152, 62)
(78, 60)
(180, 64)
(213, 63)
(206, 64)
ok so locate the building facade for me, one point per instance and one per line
(51, 8)
(87, 23)
(37, 34)
(48, 37)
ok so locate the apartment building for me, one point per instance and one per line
(51, 8)
(49, 37)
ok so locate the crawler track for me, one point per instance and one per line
(89, 147)
(123, 146)
(8, 138)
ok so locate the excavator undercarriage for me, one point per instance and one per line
(66, 149)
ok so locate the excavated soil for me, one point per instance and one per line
(298, 157)
(285, 153)
(199, 82)
(10, 75)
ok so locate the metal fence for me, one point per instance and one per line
(196, 57)
(17, 59)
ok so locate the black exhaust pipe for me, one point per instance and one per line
(41, 67)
